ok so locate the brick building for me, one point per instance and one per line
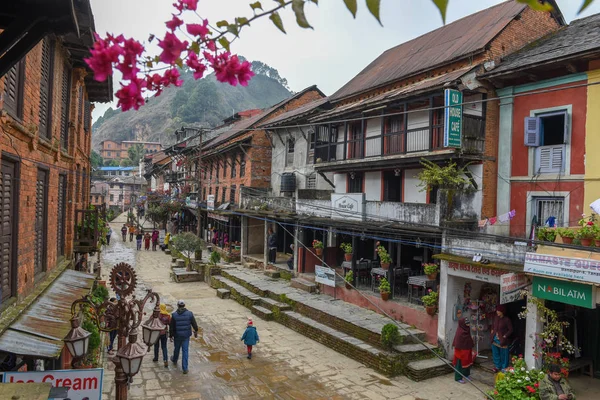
(111, 150)
(45, 144)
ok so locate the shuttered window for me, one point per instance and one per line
(311, 181)
(550, 159)
(242, 165)
(83, 185)
(65, 88)
(8, 238)
(355, 182)
(392, 186)
(234, 166)
(86, 116)
(60, 226)
(13, 90)
(232, 194)
(41, 200)
(46, 88)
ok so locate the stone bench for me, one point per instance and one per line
(182, 275)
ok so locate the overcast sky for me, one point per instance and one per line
(336, 50)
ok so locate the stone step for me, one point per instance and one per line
(183, 275)
(223, 293)
(426, 369)
(349, 346)
(274, 305)
(173, 260)
(250, 265)
(237, 292)
(273, 274)
(262, 312)
(416, 351)
(303, 284)
(167, 251)
(180, 263)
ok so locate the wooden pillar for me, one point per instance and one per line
(354, 255)
(266, 244)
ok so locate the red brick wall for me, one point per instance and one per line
(21, 140)
(490, 166)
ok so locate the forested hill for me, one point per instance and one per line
(203, 102)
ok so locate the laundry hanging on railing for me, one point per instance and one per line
(504, 218)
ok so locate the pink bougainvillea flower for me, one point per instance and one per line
(181, 5)
(245, 73)
(198, 29)
(132, 50)
(130, 96)
(226, 68)
(171, 77)
(194, 63)
(172, 48)
(104, 53)
(174, 23)
(211, 45)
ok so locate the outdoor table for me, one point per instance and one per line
(417, 284)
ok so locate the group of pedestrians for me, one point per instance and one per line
(141, 237)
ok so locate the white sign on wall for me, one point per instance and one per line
(325, 275)
(348, 206)
(475, 272)
(210, 202)
(511, 286)
(579, 269)
(82, 383)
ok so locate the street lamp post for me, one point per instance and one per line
(126, 317)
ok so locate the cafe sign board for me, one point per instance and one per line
(210, 202)
(475, 272)
(81, 383)
(577, 294)
(511, 287)
(453, 118)
(577, 269)
(325, 275)
(348, 206)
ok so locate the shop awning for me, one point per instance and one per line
(466, 260)
(39, 331)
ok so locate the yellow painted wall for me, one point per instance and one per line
(592, 142)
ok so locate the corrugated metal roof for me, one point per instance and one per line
(451, 42)
(296, 113)
(581, 36)
(39, 331)
(394, 95)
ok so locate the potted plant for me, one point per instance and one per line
(566, 234)
(384, 289)
(318, 246)
(430, 301)
(349, 278)
(546, 234)
(347, 248)
(431, 270)
(384, 257)
(588, 230)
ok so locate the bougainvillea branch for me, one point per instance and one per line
(207, 47)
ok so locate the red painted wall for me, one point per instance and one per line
(522, 108)
(411, 315)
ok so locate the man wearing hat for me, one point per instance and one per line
(182, 323)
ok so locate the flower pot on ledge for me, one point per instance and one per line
(348, 286)
(430, 310)
(319, 252)
(586, 241)
(348, 257)
(385, 265)
(432, 277)
(385, 296)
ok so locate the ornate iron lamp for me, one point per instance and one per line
(124, 316)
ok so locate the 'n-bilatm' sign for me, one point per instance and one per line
(576, 294)
(82, 383)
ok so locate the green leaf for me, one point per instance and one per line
(535, 5)
(585, 5)
(298, 8)
(222, 24)
(224, 43)
(233, 29)
(373, 6)
(195, 47)
(277, 21)
(241, 21)
(256, 6)
(442, 5)
(351, 6)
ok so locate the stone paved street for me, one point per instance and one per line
(286, 365)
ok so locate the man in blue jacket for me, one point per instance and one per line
(182, 323)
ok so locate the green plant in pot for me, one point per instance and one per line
(431, 270)
(586, 234)
(430, 301)
(566, 234)
(318, 246)
(546, 234)
(384, 289)
(214, 258)
(390, 336)
(384, 257)
(349, 278)
(347, 249)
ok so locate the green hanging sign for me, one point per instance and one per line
(576, 294)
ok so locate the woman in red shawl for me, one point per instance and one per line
(463, 351)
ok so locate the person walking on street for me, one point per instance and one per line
(250, 337)
(154, 239)
(463, 352)
(138, 238)
(501, 331)
(272, 243)
(554, 386)
(108, 234)
(147, 239)
(131, 232)
(165, 318)
(112, 334)
(182, 324)
(166, 241)
(124, 232)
